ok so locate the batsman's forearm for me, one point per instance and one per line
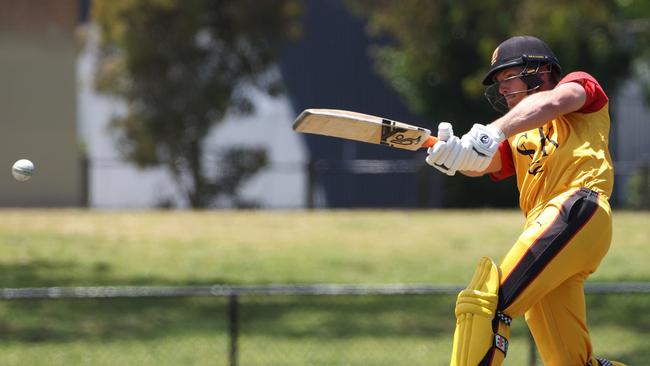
(537, 109)
(532, 112)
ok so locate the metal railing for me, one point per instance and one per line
(233, 293)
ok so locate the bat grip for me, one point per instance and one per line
(431, 140)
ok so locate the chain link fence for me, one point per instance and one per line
(280, 325)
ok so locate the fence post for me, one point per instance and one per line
(85, 179)
(233, 321)
(423, 186)
(532, 351)
(310, 189)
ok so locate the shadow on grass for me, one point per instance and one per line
(628, 311)
(149, 318)
(100, 319)
(348, 316)
(109, 319)
(298, 317)
(68, 273)
(286, 317)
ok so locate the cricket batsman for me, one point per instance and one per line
(553, 136)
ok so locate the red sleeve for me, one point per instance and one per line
(596, 97)
(507, 164)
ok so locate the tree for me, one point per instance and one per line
(435, 53)
(181, 66)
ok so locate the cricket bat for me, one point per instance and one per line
(363, 127)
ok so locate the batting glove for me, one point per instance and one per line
(481, 142)
(448, 153)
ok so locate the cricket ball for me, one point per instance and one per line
(22, 170)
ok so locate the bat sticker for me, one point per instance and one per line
(403, 140)
(392, 135)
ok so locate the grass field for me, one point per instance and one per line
(83, 248)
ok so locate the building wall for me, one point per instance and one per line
(38, 102)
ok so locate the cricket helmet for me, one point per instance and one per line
(521, 51)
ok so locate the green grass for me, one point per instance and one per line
(89, 248)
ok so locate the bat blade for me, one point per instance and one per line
(363, 127)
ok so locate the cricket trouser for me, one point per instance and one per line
(543, 274)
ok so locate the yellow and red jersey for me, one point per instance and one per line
(570, 151)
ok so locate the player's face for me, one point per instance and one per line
(511, 85)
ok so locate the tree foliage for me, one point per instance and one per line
(181, 66)
(438, 51)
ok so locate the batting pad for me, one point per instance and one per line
(475, 340)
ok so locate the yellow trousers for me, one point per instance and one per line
(543, 275)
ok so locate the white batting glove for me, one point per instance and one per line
(447, 154)
(445, 131)
(481, 142)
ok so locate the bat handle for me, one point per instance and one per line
(430, 141)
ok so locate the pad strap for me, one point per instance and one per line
(501, 343)
(504, 318)
(601, 362)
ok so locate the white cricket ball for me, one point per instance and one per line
(22, 170)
